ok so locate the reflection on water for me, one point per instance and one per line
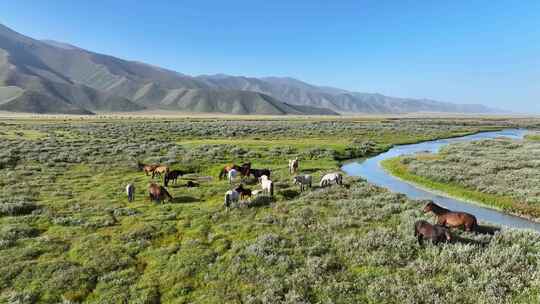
(370, 170)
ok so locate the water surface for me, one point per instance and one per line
(371, 170)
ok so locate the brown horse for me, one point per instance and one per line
(244, 192)
(244, 170)
(434, 233)
(158, 193)
(160, 171)
(148, 169)
(450, 218)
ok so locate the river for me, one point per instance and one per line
(371, 170)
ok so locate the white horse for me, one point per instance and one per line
(267, 185)
(331, 178)
(130, 191)
(231, 196)
(232, 174)
(304, 181)
(293, 165)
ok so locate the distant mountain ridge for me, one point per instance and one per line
(54, 77)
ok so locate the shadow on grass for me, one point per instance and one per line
(184, 199)
(310, 171)
(289, 194)
(487, 229)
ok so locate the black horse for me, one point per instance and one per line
(257, 173)
(172, 176)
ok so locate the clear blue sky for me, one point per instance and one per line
(460, 51)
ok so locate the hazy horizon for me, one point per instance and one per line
(480, 53)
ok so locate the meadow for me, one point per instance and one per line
(68, 234)
(501, 173)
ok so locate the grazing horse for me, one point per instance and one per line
(434, 233)
(231, 196)
(148, 169)
(244, 192)
(160, 171)
(130, 191)
(267, 185)
(293, 165)
(304, 181)
(158, 193)
(450, 218)
(232, 174)
(225, 171)
(331, 178)
(172, 176)
(245, 169)
(257, 173)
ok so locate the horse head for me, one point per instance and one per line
(429, 207)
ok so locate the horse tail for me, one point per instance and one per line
(474, 225)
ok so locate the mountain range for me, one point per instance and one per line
(45, 76)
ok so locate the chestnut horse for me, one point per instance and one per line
(244, 170)
(434, 233)
(158, 193)
(450, 218)
(148, 169)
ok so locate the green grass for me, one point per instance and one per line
(86, 243)
(395, 167)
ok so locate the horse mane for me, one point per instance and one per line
(438, 209)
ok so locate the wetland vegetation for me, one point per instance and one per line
(500, 173)
(68, 233)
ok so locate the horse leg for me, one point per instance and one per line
(420, 239)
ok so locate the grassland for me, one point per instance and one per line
(68, 234)
(500, 173)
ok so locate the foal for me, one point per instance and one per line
(434, 233)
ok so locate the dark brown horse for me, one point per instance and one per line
(257, 173)
(450, 218)
(172, 176)
(244, 170)
(148, 169)
(158, 193)
(435, 233)
(244, 192)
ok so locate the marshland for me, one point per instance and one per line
(68, 233)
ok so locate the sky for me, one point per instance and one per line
(484, 52)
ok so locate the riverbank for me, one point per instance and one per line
(397, 168)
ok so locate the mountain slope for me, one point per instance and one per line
(294, 91)
(55, 77)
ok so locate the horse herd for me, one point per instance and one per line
(423, 230)
(239, 193)
(159, 194)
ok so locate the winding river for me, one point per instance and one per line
(371, 170)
